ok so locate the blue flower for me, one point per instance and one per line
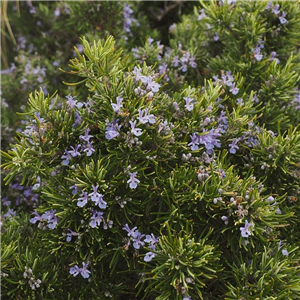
(282, 18)
(194, 144)
(66, 158)
(96, 218)
(134, 130)
(89, 149)
(51, 218)
(117, 107)
(130, 232)
(85, 273)
(82, 201)
(112, 130)
(133, 181)
(70, 234)
(188, 103)
(74, 152)
(86, 137)
(233, 146)
(97, 198)
(149, 256)
(245, 230)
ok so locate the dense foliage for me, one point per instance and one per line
(153, 169)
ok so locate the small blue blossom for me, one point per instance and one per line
(117, 106)
(234, 90)
(282, 18)
(51, 218)
(70, 234)
(202, 15)
(275, 9)
(137, 240)
(135, 131)
(66, 158)
(216, 37)
(97, 198)
(144, 117)
(133, 181)
(10, 213)
(85, 273)
(194, 144)
(283, 251)
(36, 218)
(82, 201)
(130, 232)
(112, 130)
(189, 105)
(74, 152)
(151, 239)
(96, 218)
(273, 57)
(245, 230)
(88, 148)
(233, 145)
(149, 256)
(71, 102)
(86, 137)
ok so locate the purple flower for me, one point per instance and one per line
(151, 239)
(176, 61)
(282, 18)
(9, 213)
(133, 181)
(89, 149)
(82, 201)
(269, 5)
(194, 141)
(75, 151)
(137, 240)
(67, 156)
(152, 85)
(70, 234)
(144, 117)
(71, 103)
(134, 130)
(36, 218)
(117, 107)
(97, 198)
(51, 218)
(209, 139)
(86, 137)
(74, 270)
(258, 56)
(234, 90)
(233, 145)
(112, 130)
(96, 218)
(273, 57)
(245, 230)
(188, 103)
(149, 256)
(216, 37)
(202, 15)
(85, 273)
(275, 9)
(130, 232)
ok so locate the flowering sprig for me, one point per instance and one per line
(136, 238)
(133, 181)
(48, 216)
(245, 232)
(84, 272)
